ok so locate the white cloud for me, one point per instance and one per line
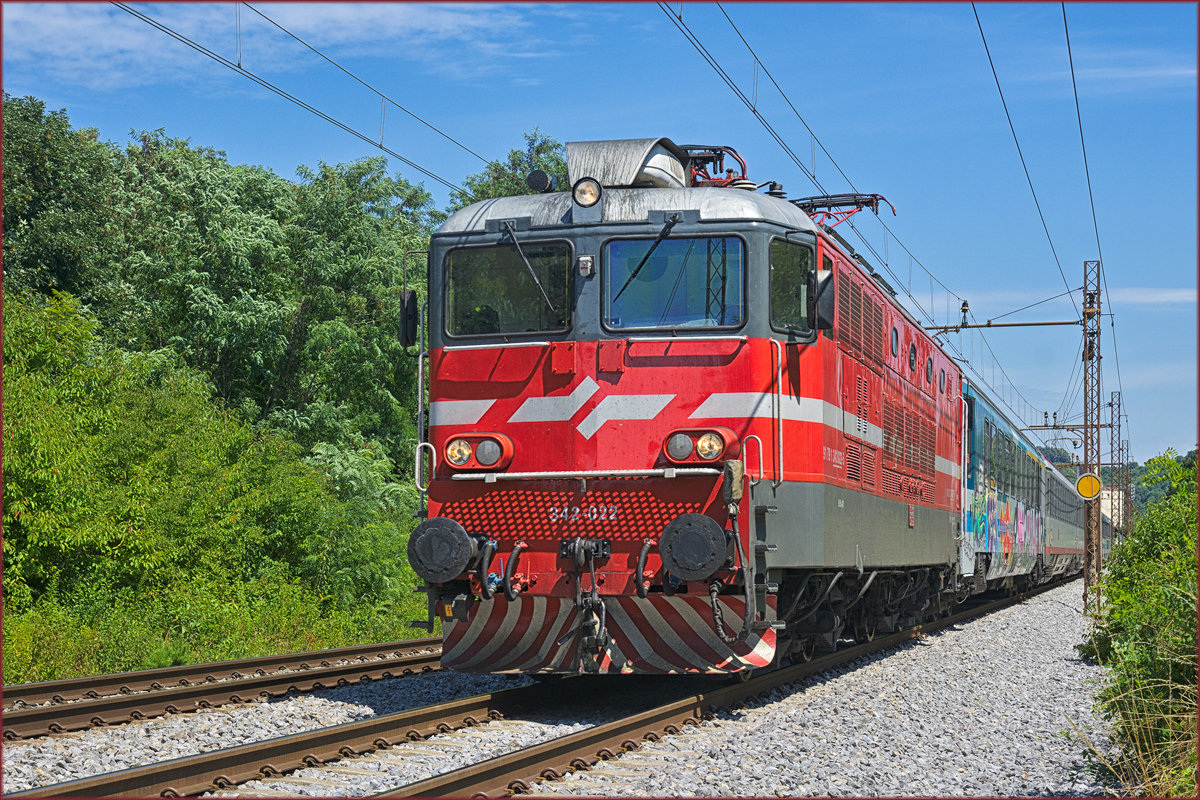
(1152, 296)
(102, 47)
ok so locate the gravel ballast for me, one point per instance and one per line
(54, 759)
(978, 709)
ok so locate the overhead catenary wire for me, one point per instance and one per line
(287, 96)
(1091, 199)
(699, 47)
(817, 142)
(1038, 303)
(1028, 179)
(381, 94)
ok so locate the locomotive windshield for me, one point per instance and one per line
(693, 282)
(490, 290)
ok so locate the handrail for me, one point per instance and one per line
(777, 347)
(753, 481)
(493, 346)
(419, 466)
(669, 472)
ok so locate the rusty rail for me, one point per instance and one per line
(515, 772)
(223, 768)
(506, 774)
(114, 699)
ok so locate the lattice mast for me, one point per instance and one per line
(1091, 425)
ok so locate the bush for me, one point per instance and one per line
(1145, 635)
(143, 522)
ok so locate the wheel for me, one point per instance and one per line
(806, 650)
(864, 632)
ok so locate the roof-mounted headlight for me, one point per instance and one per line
(586, 192)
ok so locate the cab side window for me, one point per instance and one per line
(791, 265)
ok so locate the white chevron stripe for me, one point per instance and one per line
(622, 407)
(457, 412)
(733, 621)
(511, 614)
(645, 651)
(556, 409)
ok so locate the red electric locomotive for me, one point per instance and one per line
(676, 426)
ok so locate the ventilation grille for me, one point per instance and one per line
(892, 482)
(868, 466)
(853, 462)
(860, 321)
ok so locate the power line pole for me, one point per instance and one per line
(1091, 425)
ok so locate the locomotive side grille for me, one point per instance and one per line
(927, 448)
(864, 406)
(843, 303)
(853, 462)
(856, 316)
(875, 340)
(926, 492)
(892, 481)
(868, 466)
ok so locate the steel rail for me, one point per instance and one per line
(147, 679)
(109, 699)
(224, 768)
(515, 772)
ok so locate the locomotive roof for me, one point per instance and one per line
(633, 205)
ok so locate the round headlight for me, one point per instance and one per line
(458, 452)
(710, 446)
(487, 452)
(679, 446)
(587, 192)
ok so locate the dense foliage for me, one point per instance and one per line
(132, 501)
(1145, 635)
(208, 418)
(205, 395)
(507, 178)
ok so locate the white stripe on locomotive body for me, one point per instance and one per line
(622, 407)
(556, 409)
(457, 412)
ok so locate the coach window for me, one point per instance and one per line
(929, 370)
(491, 290)
(912, 358)
(895, 342)
(791, 266)
(942, 381)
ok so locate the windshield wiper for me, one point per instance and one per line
(513, 234)
(661, 235)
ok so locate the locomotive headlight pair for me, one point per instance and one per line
(486, 452)
(708, 445)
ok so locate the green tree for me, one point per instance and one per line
(58, 183)
(507, 178)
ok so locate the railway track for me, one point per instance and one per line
(344, 746)
(37, 709)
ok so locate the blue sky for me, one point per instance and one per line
(900, 95)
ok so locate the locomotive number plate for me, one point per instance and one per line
(589, 513)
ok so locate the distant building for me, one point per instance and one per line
(1112, 503)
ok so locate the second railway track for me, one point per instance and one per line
(389, 737)
(37, 709)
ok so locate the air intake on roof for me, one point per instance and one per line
(629, 162)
